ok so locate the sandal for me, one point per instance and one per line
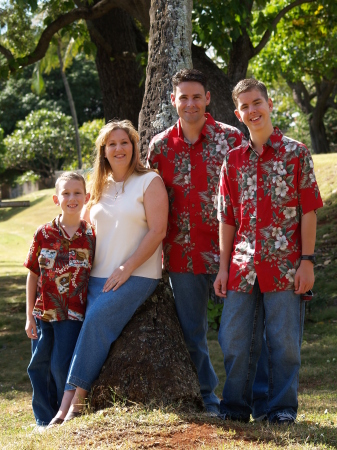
(54, 422)
(72, 416)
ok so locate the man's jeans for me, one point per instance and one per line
(243, 320)
(191, 295)
(261, 383)
(51, 355)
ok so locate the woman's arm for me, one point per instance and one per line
(156, 210)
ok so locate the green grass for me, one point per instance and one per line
(124, 427)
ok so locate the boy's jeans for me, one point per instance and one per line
(48, 368)
(241, 336)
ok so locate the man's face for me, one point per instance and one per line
(190, 101)
(254, 110)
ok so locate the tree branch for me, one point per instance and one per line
(91, 13)
(280, 15)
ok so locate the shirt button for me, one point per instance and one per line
(192, 187)
(256, 262)
(260, 179)
(259, 220)
(192, 205)
(261, 159)
(193, 147)
(260, 198)
(193, 245)
(193, 225)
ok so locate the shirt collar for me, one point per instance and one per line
(205, 130)
(62, 232)
(273, 141)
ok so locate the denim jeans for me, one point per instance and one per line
(261, 383)
(106, 316)
(191, 295)
(48, 368)
(243, 320)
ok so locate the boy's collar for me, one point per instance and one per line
(272, 141)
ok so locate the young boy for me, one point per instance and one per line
(61, 253)
(267, 201)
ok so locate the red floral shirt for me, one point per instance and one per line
(191, 175)
(64, 264)
(264, 196)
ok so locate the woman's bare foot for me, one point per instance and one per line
(77, 404)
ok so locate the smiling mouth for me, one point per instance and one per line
(254, 119)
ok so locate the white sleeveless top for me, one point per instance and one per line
(121, 225)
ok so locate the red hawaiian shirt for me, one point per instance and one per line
(64, 264)
(191, 175)
(264, 196)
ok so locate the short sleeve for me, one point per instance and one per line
(225, 208)
(309, 195)
(32, 259)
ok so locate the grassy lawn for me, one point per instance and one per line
(125, 427)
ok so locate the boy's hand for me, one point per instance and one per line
(31, 327)
(220, 284)
(304, 277)
(118, 277)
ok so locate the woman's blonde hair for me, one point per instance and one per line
(102, 168)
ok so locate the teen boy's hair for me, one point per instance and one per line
(69, 176)
(189, 75)
(246, 85)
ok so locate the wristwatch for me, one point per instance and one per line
(311, 258)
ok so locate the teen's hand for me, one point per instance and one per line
(31, 327)
(118, 277)
(220, 284)
(304, 277)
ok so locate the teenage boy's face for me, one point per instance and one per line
(190, 101)
(71, 197)
(254, 110)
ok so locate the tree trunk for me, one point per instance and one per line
(118, 43)
(319, 141)
(169, 51)
(149, 363)
(71, 104)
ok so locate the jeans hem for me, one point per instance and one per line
(77, 382)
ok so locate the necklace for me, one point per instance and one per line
(117, 189)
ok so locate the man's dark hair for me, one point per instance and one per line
(189, 75)
(246, 85)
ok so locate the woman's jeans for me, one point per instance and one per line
(106, 316)
(51, 355)
(243, 320)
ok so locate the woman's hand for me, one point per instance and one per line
(118, 277)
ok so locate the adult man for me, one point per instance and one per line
(267, 200)
(189, 156)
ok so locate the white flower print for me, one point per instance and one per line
(277, 232)
(189, 167)
(222, 147)
(187, 179)
(276, 179)
(290, 146)
(251, 277)
(281, 242)
(216, 258)
(187, 239)
(278, 165)
(290, 212)
(252, 183)
(311, 163)
(290, 275)
(312, 177)
(281, 189)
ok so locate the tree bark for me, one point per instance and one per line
(118, 43)
(169, 51)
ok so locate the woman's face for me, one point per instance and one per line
(118, 151)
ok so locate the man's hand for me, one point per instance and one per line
(220, 283)
(304, 277)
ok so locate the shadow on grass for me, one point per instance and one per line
(14, 345)
(8, 213)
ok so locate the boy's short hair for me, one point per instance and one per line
(189, 75)
(248, 84)
(70, 176)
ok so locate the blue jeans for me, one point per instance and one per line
(241, 331)
(261, 383)
(106, 316)
(48, 367)
(191, 295)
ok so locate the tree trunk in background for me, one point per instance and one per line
(319, 141)
(118, 42)
(149, 363)
(169, 51)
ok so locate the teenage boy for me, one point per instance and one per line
(267, 201)
(61, 254)
(189, 156)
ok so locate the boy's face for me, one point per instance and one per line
(254, 110)
(190, 101)
(71, 197)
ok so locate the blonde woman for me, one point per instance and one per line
(129, 208)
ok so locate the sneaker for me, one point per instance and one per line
(283, 419)
(212, 410)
